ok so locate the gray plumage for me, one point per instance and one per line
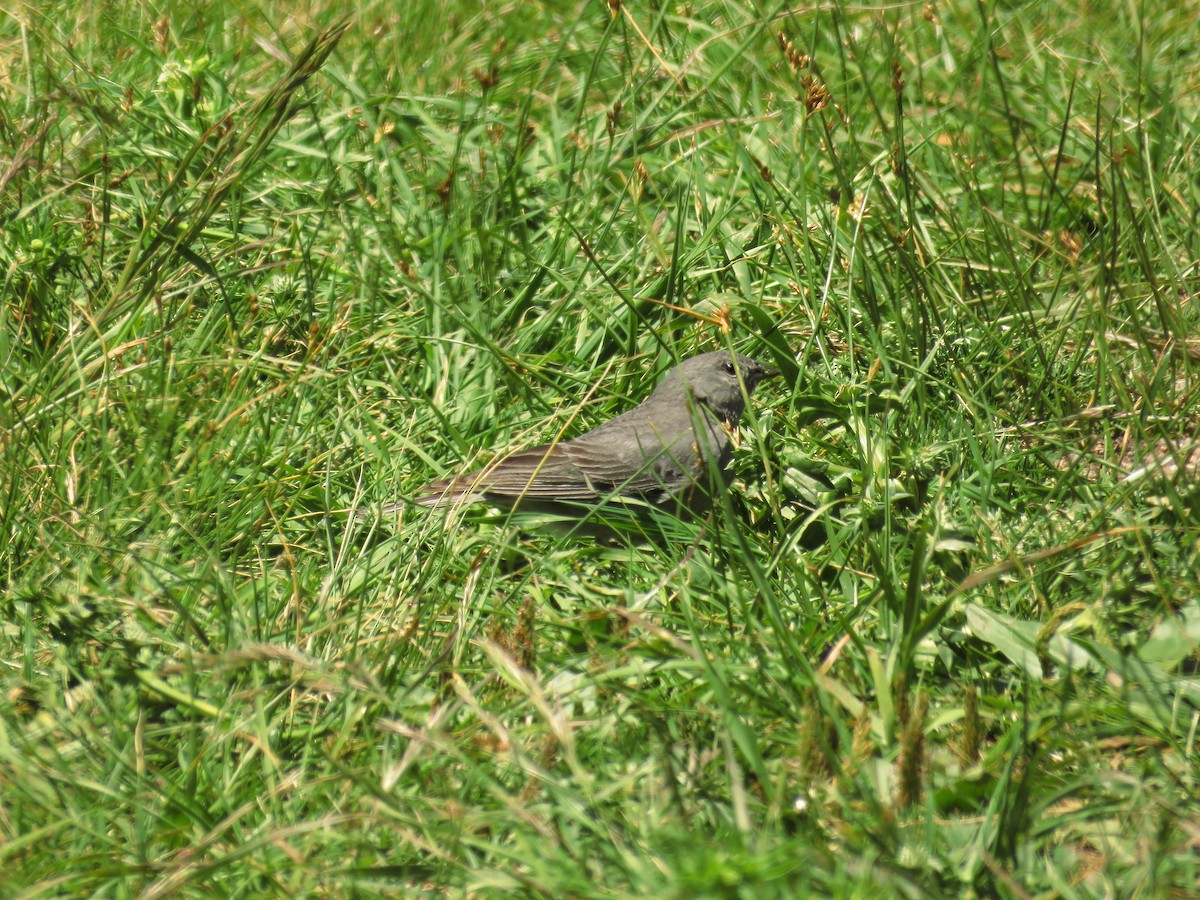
(656, 452)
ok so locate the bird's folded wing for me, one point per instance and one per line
(573, 470)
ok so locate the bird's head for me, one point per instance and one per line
(719, 380)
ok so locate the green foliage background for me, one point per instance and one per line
(266, 269)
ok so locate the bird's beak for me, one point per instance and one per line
(764, 372)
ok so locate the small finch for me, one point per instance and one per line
(658, 452)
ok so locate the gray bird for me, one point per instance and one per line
(658, 452)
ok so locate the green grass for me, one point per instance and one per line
(260, 275)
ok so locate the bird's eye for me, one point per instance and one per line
(729, 369)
